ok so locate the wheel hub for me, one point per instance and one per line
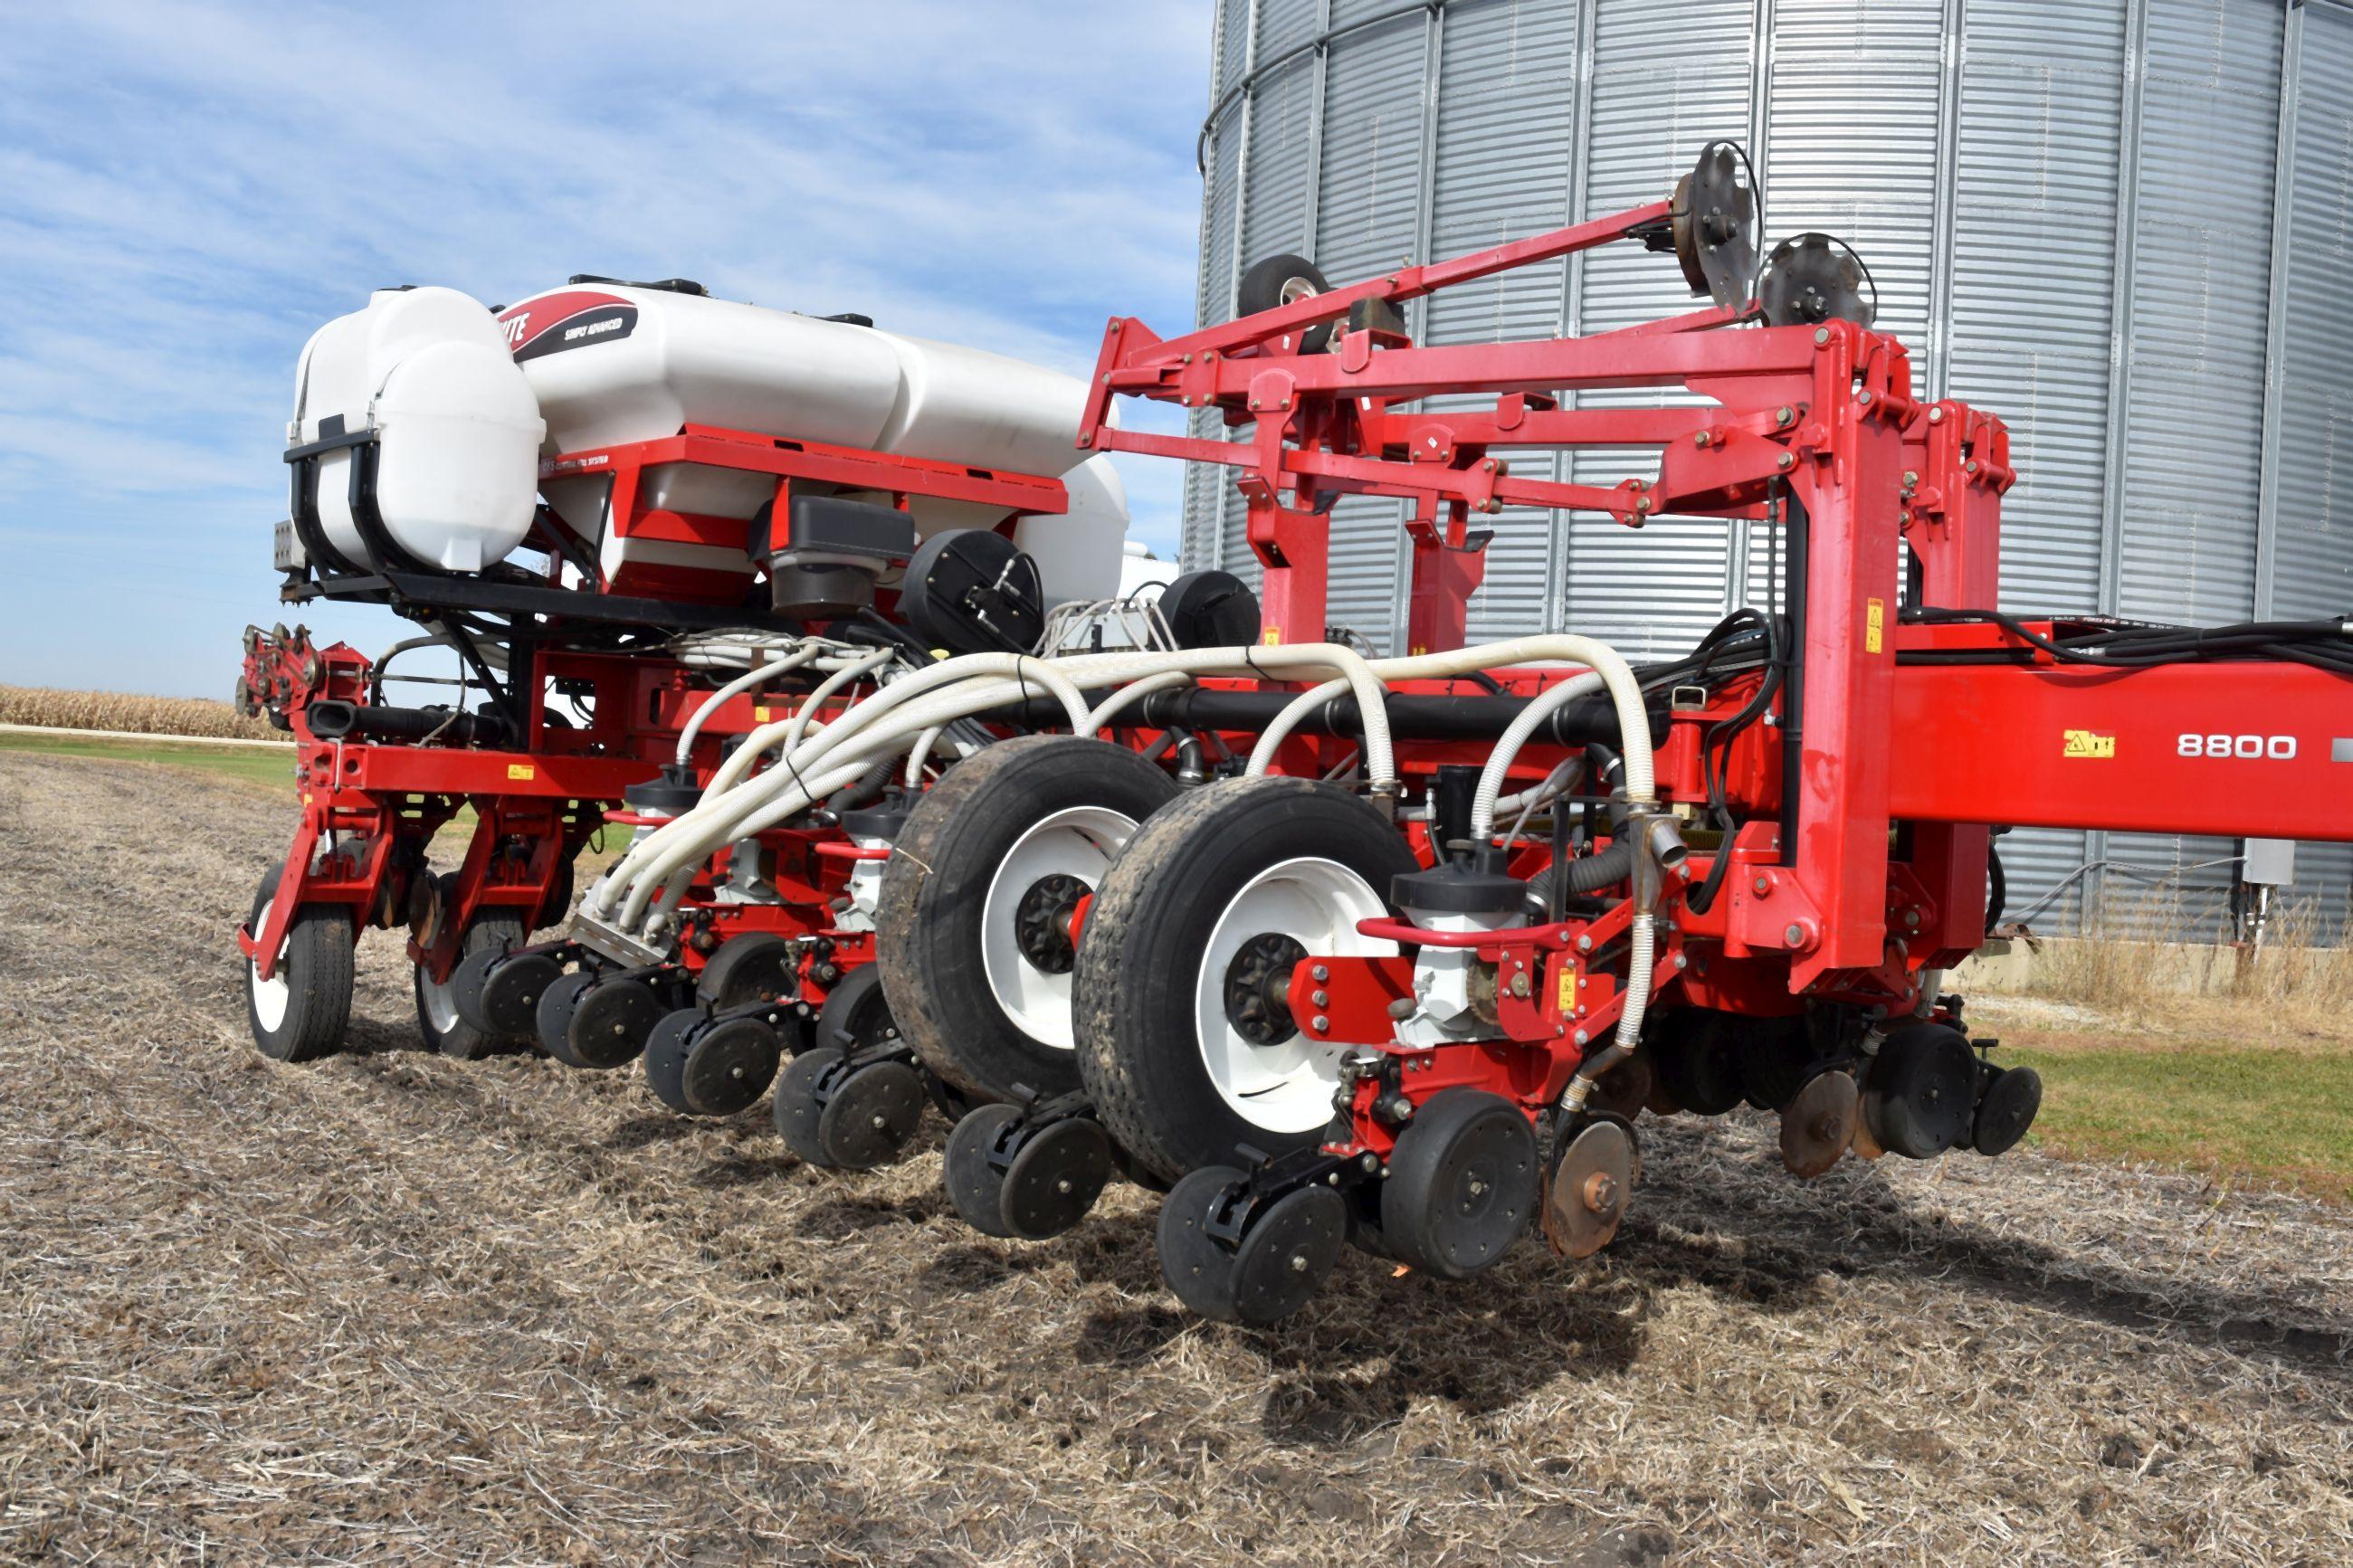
(1258, 988)
(1041, 923)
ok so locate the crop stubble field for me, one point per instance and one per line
(385, 1307)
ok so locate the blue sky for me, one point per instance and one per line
(187, 190)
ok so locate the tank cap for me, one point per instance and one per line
(1454, 889)
(674, 790)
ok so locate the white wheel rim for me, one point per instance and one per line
(1285, 1087)
(1079, 842)
(271, 997)
(440, 999)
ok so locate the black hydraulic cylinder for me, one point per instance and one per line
(333, 719)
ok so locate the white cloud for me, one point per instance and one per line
(186, 190)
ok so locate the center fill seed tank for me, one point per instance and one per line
(612, 362)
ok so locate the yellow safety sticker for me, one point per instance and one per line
(1875, 625)
(2088, 745)
(1567, 987)
(1418, 650)
(521, 771)
(759, 713)
(1273, 637)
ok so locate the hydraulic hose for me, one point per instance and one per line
(1507, 749)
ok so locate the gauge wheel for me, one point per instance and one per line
(300, 1013)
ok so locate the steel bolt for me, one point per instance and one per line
(1784, 414)
(1322, 999)
(1862, 396)
(1969, 467)
(1936, 416)
(1580, 1036)
(1064, 1185)
(1911, 476)
(878, 1122)
(1786, 460)
(1700, 439)
(1911, 920)
(1681, 961)
(1299, 1263)
(1321, 971)
(1795, 934)
(1761, 886)
(1821, 336)
(1322, 1022)
(1585, 944)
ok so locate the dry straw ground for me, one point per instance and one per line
(388, 1308)
(131, 714)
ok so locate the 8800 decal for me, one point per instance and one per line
(2237, 747)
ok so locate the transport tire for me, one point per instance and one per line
(1279, 281)
(1189, 938)
(300, 1013)
(972, 939)
(445, 1029)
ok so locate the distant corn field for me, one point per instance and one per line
(122, 711)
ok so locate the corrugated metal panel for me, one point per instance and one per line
(2034, 277)
(1282, 135)
(2313, 482)
(1205, 486)
(2313, 479)
(1860, 163)
(1506, 116)
(1666, 78)
(2200, 304)
(1367, 197)
(2033, 272)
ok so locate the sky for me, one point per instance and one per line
(187, 191)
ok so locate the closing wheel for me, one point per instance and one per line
(1055, 1178)
(1461, 1184)
(795, 1106)
(665, 1057)
(553, 1021)
(870, 1115)
(976, 1187)
(1179, 1046)
(1196, 1266)
(450, 1014)
(1287, 1253)
(299, 1014)
(975, 930)
(1593, 1176)
(2007, 1109)
(611, 1024)
(728, 1066)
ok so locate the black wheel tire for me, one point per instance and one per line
(1696, 1057)
(931, 926)
(611, 1024)
(760, 967)
(796, 1107)
(556, 908)
(317, 966)
(976, 1188)
(1139, 1046)
(553, 1019)
(1264, 284)
(1288, 1253)
(1919, 1095)
(1195, 1265)
(2007, 1108)
(871, 1115)
(858, 1008)
(1055, 1178)
(439, 1020)
(1463, 1184)
(728, 1067)
(665, 1058)
(1775, 1058)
